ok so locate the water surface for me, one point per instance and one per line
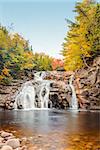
(54, 129)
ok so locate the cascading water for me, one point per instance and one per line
(26, 97)
(74, 103)
(44, 95)
(34, 93)
(39, 76)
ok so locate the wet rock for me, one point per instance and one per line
(1, 139)
(5, 134)
(76, 139)
(33, 148)
(6, 147)
(23, 148)
(2, 144)
(9, 137)
(23, 141)
(14, 143)
(10, 142)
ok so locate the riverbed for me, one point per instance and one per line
(52, 129)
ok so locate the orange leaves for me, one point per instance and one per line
(57, 64)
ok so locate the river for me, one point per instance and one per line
(54, 129)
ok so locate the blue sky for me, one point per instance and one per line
(42, 22)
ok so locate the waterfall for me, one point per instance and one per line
(26, 97)
(39, 76)
(33, 94)
(74, 103)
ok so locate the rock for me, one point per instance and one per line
(14, 143)
(24, 148)
(1, 139)
(76, 139)
(9, 137)
(2, 144)
(1, 131)
(88, 88)
(11, 104)
(23, 141)
(5, 134)
(6, 147)
(33, 148)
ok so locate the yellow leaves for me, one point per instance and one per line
(4, 74)
(77, 46)
(4, 40)
(26, 60)
(1, 77)
(5, 71)
(28, 55)
(26, 66)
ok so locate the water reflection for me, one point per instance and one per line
(58, 127)
(48, 120)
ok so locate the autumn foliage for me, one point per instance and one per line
(16, 56)
(82, 42)
(57, 64)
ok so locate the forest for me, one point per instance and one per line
(16, 56)
(81, 46)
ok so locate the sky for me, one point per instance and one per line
(42, 22)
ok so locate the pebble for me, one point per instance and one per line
(9, 142)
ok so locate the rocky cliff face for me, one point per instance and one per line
(7, 93)
(86, 83)
(60, 92)
(60, 95)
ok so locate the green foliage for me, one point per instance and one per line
(83, 39)
(16, 56)
(94, 32)
(42, 62)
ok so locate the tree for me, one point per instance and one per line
(15, 54)
(94, 33)
(78, 45)
(42, 62)
(57, 64)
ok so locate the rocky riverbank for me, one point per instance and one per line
(9, 142)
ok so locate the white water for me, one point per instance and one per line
(73, 103)
(34, 94)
